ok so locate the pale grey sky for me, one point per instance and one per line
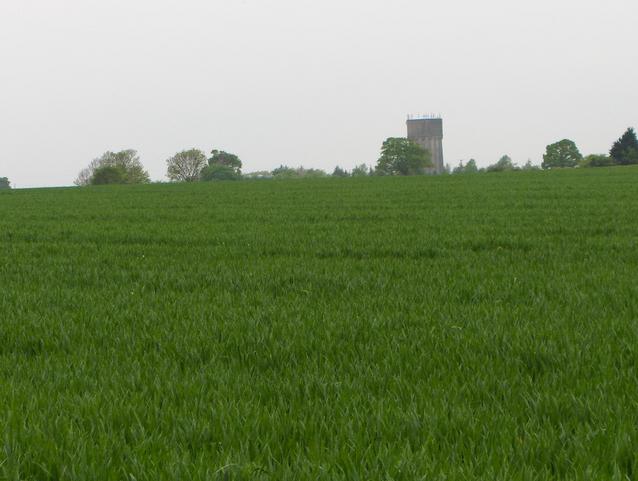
(317, 83)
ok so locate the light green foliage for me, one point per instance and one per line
(361, 170)
(625, 149)
(561, 154)
(127, 161)
(4, 183)
(529, 166)
(504, 164)
(285, 172)
(598, 160)
(186, 166)
(428, 328)
(400, 156)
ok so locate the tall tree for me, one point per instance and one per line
(360, 170)
(222, 166)
(625, 149)
(561, 154)
(504, 164)
(4, 183)
(126, 160)
(470, 167)
(400, 156)
(339, 172)
(186, 166)
(219, 157)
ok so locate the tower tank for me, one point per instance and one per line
(427, 131)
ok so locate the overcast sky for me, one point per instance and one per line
(313, 83)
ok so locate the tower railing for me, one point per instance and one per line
(424, 117)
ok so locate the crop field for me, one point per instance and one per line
(469, 327)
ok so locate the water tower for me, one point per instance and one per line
(427, 131)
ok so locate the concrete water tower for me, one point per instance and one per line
(427, 131)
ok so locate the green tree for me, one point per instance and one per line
(360, 170)
(4, 183)
(529, 166)
(470, 167)
(219, 157)
(339, 172)
(127, 160)
(311, 172)
(459, 169)
(186, 166)
(219, 172)
(561, 154)
(109, 174)
(625, 149)
(504, 164)
(284, 172)
(400, 156)
(598, 160)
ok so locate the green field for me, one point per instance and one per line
(477, 327)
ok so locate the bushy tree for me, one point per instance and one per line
(219, 172)
(109, 174)
(339, 172)
(400, 156)
(561, 154)
(219, 157)
(625, 149)
(186, 166)
(504, 164)
(284, 172)
(360, 170)
(4, 183)
(598, 160)
(126, 160)
(222, 166)
(471, 167)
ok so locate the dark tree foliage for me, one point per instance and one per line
(219, 157)
(561, 154)
(4, 183)
(219, 172)
(360, 170)
(625, 149)
(222, 166)
(401, 156)
(504, 164)
(598, 160)
(339, 172)
(109, 174)
(284, 172)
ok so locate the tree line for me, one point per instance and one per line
(565, 154)
(399, 156)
